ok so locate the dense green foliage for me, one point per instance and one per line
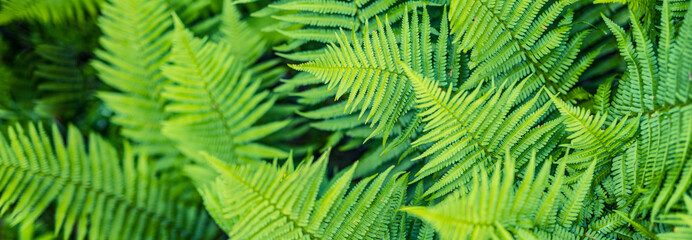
(340, 119)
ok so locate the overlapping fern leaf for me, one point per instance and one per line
(136, 43)
(96, 194)
(266, 201)
(48, 11)
(470, 129)
(656, 88)
(656, 79)
(304, 21)
(366, 69)
(516, 39)
(589, 135)
(664, 161)
(214, 102)
(496, 208)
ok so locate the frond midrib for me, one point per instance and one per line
(353, 68)
(153, 75)
(665, 108)
(200, 74)
(139, 45)
(586, 128)
(489, 223)
(516, 41)
(465, 127)
(167, 223)
(272, 205)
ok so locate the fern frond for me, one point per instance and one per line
(213, 103)
(601, 99)
(656, 80)
(590, 136)
(470, 129)
(366, 69)
(657, 88)
(665, 159)
(93, 193)
(136, 43)
(577, 197)
(517, 39)
(263, 201)
(48, 11)
(625, 175)
(494, 208)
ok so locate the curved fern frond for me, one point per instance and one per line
(590, 136)
(48, 11)
(263, 201)
(497, 209)
(213, 102)
(516, 39)
(367, 70)
(471, 129)
(136, 43)
(93, 193)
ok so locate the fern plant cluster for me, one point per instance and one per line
(345, 119)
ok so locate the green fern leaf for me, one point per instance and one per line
(263, 201)
(136, 43)
(655, 80)
(493, 208)
(590, 136)
(93, 193)
(664, 158)
(213, 103)
(577, 197)
(376, 84)
(516, 39)
(657, 87)
(470, 129)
